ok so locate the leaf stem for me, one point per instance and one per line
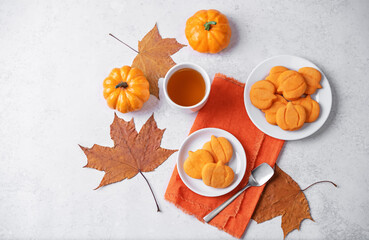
(320, 182)
(123, 42)
(156, 202)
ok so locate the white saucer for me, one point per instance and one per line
(194, 142)
(323, 96)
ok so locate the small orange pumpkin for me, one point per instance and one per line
(208, 31)
(126, 89)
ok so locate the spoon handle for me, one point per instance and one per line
(216, 211)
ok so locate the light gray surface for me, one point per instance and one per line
(54, 57)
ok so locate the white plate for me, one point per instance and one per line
(323, 96)
(194, 142)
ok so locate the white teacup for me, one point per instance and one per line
(205, 76)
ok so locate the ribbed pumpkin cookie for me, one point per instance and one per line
(311, 106)
(291, 84)
(217, 175)
(312, 79)
(291, 117)
(270, 113)
(274, 74)
(196, 161)
(220, 148)
(262, 94)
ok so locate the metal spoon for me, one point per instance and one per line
(259, 176)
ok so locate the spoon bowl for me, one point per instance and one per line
(260, 175)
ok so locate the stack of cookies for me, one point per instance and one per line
(285, 96)
(209, 163)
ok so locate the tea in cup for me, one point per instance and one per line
(187, 87)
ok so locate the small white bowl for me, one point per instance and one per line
(194, 142)
(205, 76)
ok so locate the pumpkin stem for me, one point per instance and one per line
(208, 25)
(121, 84)
(123, 43)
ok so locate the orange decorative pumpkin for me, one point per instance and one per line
(208, 31)
(126, 89)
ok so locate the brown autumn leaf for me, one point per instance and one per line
(283, 196)
(153, 57)
(132, 152)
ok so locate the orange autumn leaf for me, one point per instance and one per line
(282, 196)
(153, 57)
(132, 152)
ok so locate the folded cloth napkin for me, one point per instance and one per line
(225, 109)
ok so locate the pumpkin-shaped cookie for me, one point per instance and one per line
(262, 94)
(291, 117)
(220, 148)
(291, 84)
(217, 175)
(196, 161)
(312, 79)
(274, 74)
(311, 106)
(270, 113)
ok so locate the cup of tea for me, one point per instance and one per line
(187, 87)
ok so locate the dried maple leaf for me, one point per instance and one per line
(153, 57)
(132, 152)
(283, 196)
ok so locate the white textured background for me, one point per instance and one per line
(54, 56)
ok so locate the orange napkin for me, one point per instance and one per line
(225, 109)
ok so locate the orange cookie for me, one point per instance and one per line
(196, 161)
(291, 84)
(312, 79)
(291, 117)
(274, 74)
(270, 113)
(220, 148)
(217, 175)
(262, 94)
(311, 106)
